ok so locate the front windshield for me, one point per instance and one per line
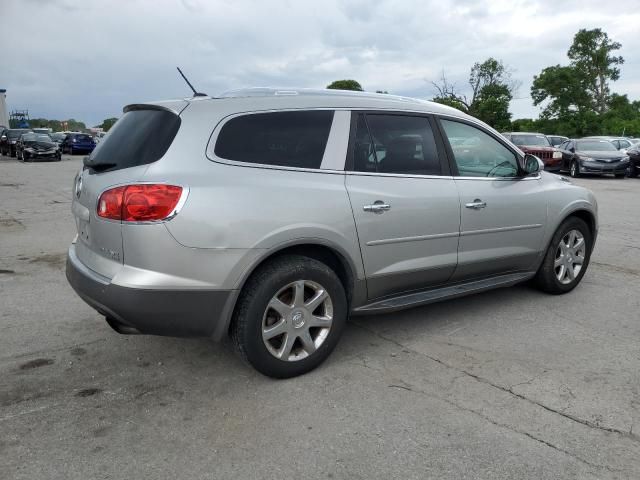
(595, 146)
(27, 137)
(537, 140)
(58, 136)
(43, 137)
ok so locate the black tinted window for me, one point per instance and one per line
(289, 139)
(140, 137)
(396, 144)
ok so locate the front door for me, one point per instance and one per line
(502, 214)
(407, 212)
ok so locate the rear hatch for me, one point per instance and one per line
(140, 137)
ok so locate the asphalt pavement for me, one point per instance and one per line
(509, 384)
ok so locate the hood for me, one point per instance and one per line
(599, 154)
(40, 145)
(537, 148)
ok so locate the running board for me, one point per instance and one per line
(444, 293)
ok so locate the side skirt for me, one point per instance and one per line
(414, 299)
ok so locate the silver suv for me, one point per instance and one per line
(272, 216)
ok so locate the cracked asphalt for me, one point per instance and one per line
(502, 385)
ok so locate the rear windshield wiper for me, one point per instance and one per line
(98, 166)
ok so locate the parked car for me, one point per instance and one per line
(634, 160)
(45, 130)
(77, 143)
(593, 156)
(537, 144)
(620, 143)
(271, 218)
(556, 140)
(8, 140)
(58, 137)
(37, 146)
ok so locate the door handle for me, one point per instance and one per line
(477, 204)
(378, 207)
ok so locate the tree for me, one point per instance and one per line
(107, 123)
(345, 85)
(582, 87)
(591, 58)
(492, 89)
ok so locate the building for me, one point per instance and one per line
(4, 113)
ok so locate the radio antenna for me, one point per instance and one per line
(195, 94)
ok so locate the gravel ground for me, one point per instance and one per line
(507, 384)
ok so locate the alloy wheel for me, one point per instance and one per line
(297, 320)
(570, 257)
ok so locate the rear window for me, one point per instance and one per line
(82, 138)
(140, 137)
(289, 139)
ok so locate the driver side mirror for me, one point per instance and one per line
(532, 164)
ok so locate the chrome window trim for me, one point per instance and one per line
(400, 175)
(502, 179)
(213, 138)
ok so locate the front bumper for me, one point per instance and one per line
(176, 313)
(617, 168)
(38, 155)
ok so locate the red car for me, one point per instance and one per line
(539, 145)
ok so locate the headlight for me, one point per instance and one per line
(28, 149)
(587, 159)
(557, 154)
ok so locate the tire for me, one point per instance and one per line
(620, 175)
(279, 280)
(13, 154)
(574, 170)
(547, 277)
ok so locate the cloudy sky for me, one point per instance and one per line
(86, 59)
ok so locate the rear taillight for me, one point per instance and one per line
(139, 203)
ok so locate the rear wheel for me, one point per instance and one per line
(574, 171)
(289, 316)
(567, 257)
(620, 175)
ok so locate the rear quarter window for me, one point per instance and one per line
(288, 139)
(139, 137)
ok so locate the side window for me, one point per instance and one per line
(289, 139)
(477, 154)
(396, 144)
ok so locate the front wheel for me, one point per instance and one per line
(574, 170)
(289, 316)
(566, 259)
(620, 175)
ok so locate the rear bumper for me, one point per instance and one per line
(177, 313)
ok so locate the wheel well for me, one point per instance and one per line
(321, 253)
(588, 218)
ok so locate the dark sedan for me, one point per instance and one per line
(593, 157)
(37, 146)
(9, 139)
(634, 160)
(77, 143)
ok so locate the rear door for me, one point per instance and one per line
(404, 202)
(502, 214)
(141, 136)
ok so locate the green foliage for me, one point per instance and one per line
(55, 125)
(346, 85)
(107, 123)
(491, 91)
(577, 98)
(492, 106)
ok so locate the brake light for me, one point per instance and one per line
(139, 203)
